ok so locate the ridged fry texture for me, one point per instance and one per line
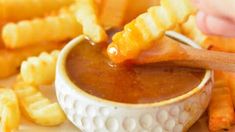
(9, 110)
(148, 27)
(40, 70)
(10, 60)
(113, 13)
(37, 107)
(86, 14)
(221, 110)
(51, 28)
(191, 30)
(15, 10)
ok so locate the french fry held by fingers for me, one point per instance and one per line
(139, 34)
(15, 10)
(49, 29)
(221, 110)
(9, 110)
(86, 14)
(40, 70)
(10, 59)
(191, 30)
(113, 13)
(37, 107)
(137, 7)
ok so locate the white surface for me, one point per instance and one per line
(27, 126)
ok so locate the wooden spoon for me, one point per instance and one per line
(184, 55)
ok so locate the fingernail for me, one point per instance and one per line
(201, 20)
(196, 2)
(220, 26)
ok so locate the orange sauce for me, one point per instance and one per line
(94, 73)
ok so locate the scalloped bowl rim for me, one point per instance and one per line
(61, 71)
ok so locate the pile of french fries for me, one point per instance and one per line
(33, 31)
(222, 105)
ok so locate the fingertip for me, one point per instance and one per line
(196, 2)
(212, 25)
(201, 22)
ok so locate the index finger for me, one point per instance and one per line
(220, 8)
(213, 25)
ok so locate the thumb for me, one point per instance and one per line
(213, 25)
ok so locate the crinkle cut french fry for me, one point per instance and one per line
(1, 26)
(15, 10)
(150, 26)
(9, 110)
(222, 44)
(137, 7)
(37, 107)
(1, 43)
(221, 110)
(86, 14)
(231, 82)
(10, 60)
(40, 70)
(173, 50)
(113, 13)
(99, 4)
(31, 32)
(191, 30)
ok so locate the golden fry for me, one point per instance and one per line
(37, 107)
(52, 28)
(172, 50)
(1, 41)
(99, 4)
(231, 82)
(86, 14)
(9, 110)
(139, 34)
(222, 44)
(40, 70)
(15, 10)
(138, 7)
(10, 60)
(191, 30)
(221, 110)
(113, 13)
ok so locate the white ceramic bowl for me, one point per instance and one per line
(93, 114)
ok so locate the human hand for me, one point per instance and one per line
(216, 17)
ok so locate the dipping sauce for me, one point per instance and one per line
(94, 73)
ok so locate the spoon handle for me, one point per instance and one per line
(208, 59)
